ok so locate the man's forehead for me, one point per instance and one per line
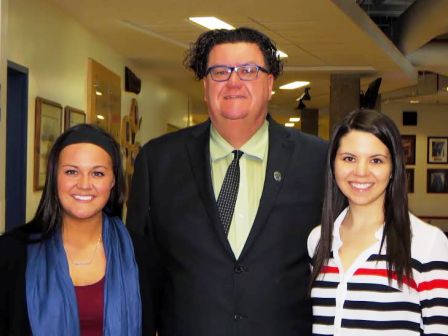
(236, 50)
(239, 44)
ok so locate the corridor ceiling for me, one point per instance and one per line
(321, 37)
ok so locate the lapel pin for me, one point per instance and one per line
(277, 176)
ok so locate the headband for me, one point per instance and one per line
(89, 135)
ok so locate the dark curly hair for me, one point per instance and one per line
(196, 58)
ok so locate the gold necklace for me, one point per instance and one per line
(89, 261)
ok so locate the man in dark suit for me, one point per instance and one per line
(231, 262)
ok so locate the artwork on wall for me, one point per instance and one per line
(104, 98)
(129, 127)
(409, 118)
(437, 181)
(408, 142)
(73, 116)
(410, 180)
(48, 126)
(437, 150)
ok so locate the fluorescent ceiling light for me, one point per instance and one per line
(98, 93)
(211, 22)
(414, 101)
(294, 85)
(289, 124)
(99, 116)
(281, 54)
(273, 92)
(294, 119)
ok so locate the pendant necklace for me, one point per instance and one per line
(89, 261)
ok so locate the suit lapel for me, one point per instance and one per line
(279, 156)
(199, 154)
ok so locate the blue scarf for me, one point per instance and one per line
(50, 294)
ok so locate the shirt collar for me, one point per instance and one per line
(255, 147)
(337, 225)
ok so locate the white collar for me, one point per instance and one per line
(337, 242)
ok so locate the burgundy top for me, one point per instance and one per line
(90, 308)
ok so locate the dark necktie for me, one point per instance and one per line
(229, 191)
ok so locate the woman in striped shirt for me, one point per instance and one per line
(377, 269)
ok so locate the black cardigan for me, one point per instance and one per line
(13, 310)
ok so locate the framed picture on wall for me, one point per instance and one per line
(408, 142)
(437, 150)
(410, 180)
(73, 116)
(104, 98)
(48, 127)
(437, 181)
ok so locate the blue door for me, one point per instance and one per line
(16, 139)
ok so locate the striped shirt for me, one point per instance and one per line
(360, 301)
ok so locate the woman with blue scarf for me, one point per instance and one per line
(75, 269)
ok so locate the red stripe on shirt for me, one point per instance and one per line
(329, 269)
(433, 284)
(384, 273)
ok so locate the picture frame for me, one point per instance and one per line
(73, 116)
(408, 142)
(437, 181)
(104, 98)
(410, 180)
(48, 126)
(437, 150)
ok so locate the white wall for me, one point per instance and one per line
(55, 49)
(162, 107)
(432, 121)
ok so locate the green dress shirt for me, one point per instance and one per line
(252, 174)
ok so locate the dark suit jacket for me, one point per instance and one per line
(203, 289)
(13, 311)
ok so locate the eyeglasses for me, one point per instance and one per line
(222, 73)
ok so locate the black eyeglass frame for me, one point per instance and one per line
(231, 69)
